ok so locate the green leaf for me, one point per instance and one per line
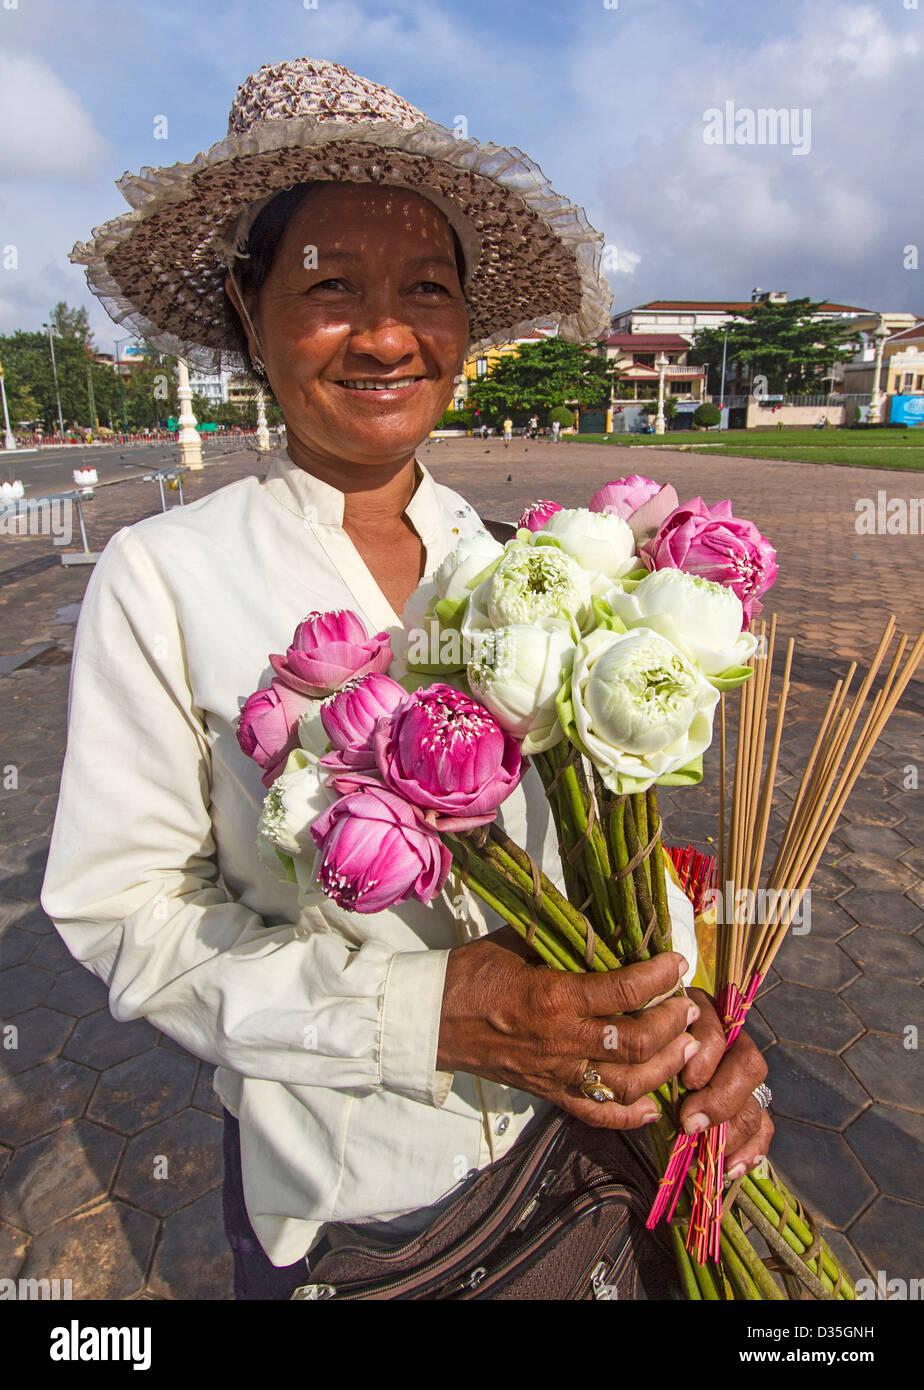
(731, 677)
(450, 612)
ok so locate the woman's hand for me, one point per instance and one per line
(511, 1020)
(722, 1084)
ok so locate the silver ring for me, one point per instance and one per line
(763, 1095)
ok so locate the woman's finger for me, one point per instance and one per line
(741, 1069)
(749, 1154)
(637, 1038)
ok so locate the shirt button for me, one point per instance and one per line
(502, 1124)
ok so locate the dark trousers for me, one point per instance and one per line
(255, 1275)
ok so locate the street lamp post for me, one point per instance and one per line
(9, 439)
(118, 347)
(722, 387)
(875, 411)
(54, 369)
(662, 365)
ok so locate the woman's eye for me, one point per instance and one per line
(430, 286)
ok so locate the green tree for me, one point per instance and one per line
(540, 375)
(670, 408)
(706, 415)
(779, 341)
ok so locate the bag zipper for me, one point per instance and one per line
(428, 1274)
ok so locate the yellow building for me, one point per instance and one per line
(480, 364)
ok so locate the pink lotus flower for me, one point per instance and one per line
(537, 514)
(329, 649)
(643, 503)
(449, 756)
(711, 542)
(349, 718)
(374, 852)
(267, 728)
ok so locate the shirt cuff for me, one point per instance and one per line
(411, 1011)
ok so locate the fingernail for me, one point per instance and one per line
(761, 1158)
(693, 1013)
(737, 1170)
(691, 1050)
(650, 1119)
(695, 1124)
(684, 966)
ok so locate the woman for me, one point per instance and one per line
(348, 251)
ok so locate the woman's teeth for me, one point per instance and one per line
(379, 385)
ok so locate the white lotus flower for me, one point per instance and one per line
(702, 619)
(598, 541)
(641, 709)
(516, 674)
(292, 804)
(534, 584)
(451, 579)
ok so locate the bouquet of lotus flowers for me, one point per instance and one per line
(596, 644)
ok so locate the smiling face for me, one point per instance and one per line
(362, 324)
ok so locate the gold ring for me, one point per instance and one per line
(593, 1088)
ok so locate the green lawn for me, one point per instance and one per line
(883, 448)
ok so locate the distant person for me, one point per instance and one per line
(556, 430)
(508, 432)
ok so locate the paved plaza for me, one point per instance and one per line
(86, 1104)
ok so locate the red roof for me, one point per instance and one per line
(914, 334)
(647, 340)
(733, 306)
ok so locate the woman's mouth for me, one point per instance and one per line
(380, 390)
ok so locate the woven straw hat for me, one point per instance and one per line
(532, 258)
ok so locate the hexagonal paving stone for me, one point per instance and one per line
(886, 952)
(77, 992)
(39, 1035)
(811, 1016)
(888, 1070)
(99, 1040)
(870, 808)
(193, 1258)
(40, 1099)
(874, 839)
(149, 1087)
(890, 1237)
(891, 910)
(104, 1252)
(885, 1005)
(821, 1171)
(13, 1247)
(877, 871)
(828, 880)
(15, 947)
(57, 1175)
(843, 1251)
(51, 954)
(172, 1163)
(890, 1144)
(812, 1085)
(204, 1097)
(758, 1030)
(22, 988)
(821, 964)
(828, 919)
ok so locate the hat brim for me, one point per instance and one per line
(160, 268)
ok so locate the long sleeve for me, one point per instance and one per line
(133, 885)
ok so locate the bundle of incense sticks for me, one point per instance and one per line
(747, 947)
(696, 872)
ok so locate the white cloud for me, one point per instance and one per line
(46, 131)
(616, 260)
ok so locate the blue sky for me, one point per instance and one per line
(610, 102)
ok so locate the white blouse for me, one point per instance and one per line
(323, 1023)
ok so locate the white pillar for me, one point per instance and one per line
(263, 439)
(875, 409)
(9, 439)
(662, 365)
(188, 437)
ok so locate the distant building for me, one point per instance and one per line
(212, 385)
(479, 364)
(635, 354)
(688, 317)
(902, 371)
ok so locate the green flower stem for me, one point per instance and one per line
(501, 896)
(758, 1273)
(640, 812)
(559, 914)
(575, 884)
(771, 1202)
(685, 1266)
(633, 934)
(781, 1244)
(738, 1275)
(659, 878)
(576, 800)
(642, 892)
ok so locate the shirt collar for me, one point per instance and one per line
(308, 497)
